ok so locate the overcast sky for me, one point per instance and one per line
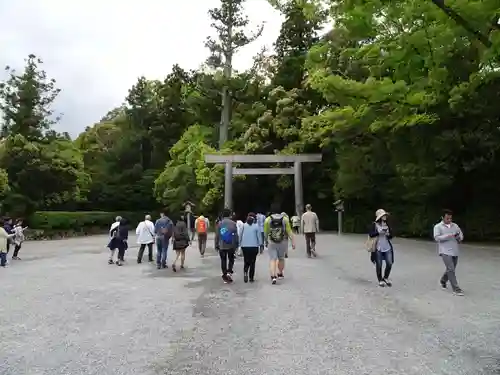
(96, 49)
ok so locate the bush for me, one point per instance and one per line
(81, 221)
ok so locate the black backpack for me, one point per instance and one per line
(277, 229)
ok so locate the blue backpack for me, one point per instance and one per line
(226, 235)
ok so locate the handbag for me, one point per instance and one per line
(371, 244)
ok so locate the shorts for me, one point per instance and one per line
(277, 250)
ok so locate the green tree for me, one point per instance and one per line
(229, 23)
(26, 99)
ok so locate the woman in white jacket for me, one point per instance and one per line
(145, 236)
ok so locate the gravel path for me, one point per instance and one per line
(63, 310)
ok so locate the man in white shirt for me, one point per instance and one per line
(145, 237)
(310, 226)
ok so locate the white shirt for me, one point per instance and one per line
(113, 226)
(145, 232)
(239, 226)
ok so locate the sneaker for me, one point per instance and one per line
(388, 282)
(245, 278)
(281, 276)
(158, 267)
(273, 280)
(182, 267)
(286, 255)
(224, 278)
(110, 261)
(229, 279)
(313, 252)
(252, 280)
(443, 285)
(458, 292)
(164, 265)
(381, 283)
(174, 268)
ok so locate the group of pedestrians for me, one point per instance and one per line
(10, 235)
(446, 233)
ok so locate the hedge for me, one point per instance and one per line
(79, 221)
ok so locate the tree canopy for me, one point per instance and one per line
(400, 97)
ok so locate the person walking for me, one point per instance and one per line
(448, 236)
(295, 224)
(239, 227)
(113, 244)
(163, 230)
(120, 240)
(226, 243)
(250, 242)
(201, 225)
(384, 250)
(4, 240)
(180, 242)
(261, 218)
(18, 238)
(310, 226)
(276, 229)
(145, 237)
(10, 231)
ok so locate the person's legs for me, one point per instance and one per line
(378, 267)
(111, 256)
(159, 250)
(140, 254)
(308, 243)
(231, 255)
(150, 252)
(263, 237)
(16, 251)
(223, 263)
(121, 254)
(450, 263)
(273, 261)
(3, 259)
(282, 250)
(204, 245)
(177, 255)
(164, 253)
(253, 252)
(388, 266)
(246, 259)
(313, 243)
(183, 257)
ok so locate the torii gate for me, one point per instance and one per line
(296, 170)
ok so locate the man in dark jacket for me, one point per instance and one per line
(226, 243)
(9, 229)
(119, 238)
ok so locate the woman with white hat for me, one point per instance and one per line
(383, 247)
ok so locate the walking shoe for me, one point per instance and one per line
(158, 267)
(381, 283)
(110, 261)
(229, 279)
(281, 276)
(182, 267)
(224, 278)
(458, 292)
(273, 280)
(388, 282)
(245, 277)
(286, 255)
(252, 280)
(443, 285)
(174, 268)
(164, 265)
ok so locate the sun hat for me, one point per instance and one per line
(379, 213)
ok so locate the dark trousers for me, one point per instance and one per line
(225, 256)
(16, 250)
(450, 262)
(310, 242)
(296, 230)
(8, 245)
(249, 258)
(121, 251)
(380, 257)
(141, 252)
(3, 259)
(202, 242)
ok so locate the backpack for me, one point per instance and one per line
(201, 226)
(167, 229)
(116, 233)
(277, 229)
(178, 233)
(226, 235)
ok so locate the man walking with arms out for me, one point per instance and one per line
(226, 243)
(310, 226)
(448, 235)
(276, 231)
(201, 225)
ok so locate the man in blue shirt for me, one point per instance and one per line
(163, 232)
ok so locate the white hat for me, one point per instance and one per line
(379, 213)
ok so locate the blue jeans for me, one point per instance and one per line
(379, 258)
(3, 259)
(161, 251)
